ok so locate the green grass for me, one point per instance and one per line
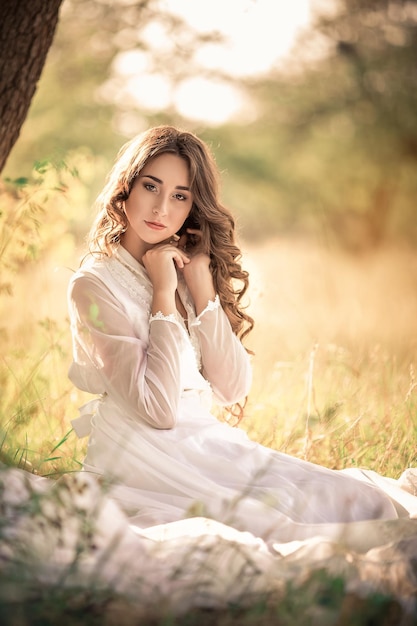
(320, 600)
(37, 403)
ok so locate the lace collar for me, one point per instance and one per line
(131, 275)
(129, 261)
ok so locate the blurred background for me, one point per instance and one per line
(310, 108)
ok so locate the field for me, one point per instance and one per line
(334, 364)
(334, 382)
(335, 345)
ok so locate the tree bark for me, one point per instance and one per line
(27, 28)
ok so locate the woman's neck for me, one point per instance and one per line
(136, 247)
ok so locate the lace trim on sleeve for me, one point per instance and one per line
(212, 305)
(167, 318)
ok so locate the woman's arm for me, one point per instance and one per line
(142, 378)
(225, 362)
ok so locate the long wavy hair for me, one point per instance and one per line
(215, 221)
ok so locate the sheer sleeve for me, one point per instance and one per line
(225, 362)
(141, 373)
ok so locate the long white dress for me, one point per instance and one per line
(153, 434)
(194, 513)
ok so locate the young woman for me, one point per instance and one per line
(157, 325)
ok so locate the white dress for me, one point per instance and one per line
(153, 435)
(194, 514)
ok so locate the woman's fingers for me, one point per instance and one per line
(194, 231)
(174, 239)
(178, 254)
(160, 254)
(180, 258)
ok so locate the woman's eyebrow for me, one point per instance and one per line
(158, 180)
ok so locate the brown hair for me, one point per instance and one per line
(215, 221)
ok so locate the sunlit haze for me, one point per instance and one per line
(258, 34)
(258, 31)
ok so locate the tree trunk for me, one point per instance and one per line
(27, 28)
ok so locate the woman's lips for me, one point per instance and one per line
(155, 225)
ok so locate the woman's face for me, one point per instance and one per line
(158, 204)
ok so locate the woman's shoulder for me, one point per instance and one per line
(114, 274)
(89, 278)
(92, 269)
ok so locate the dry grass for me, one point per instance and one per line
(38, 401)
(335, 354)
(333, 382)
(334, 366)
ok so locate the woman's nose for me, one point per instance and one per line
(160, 207)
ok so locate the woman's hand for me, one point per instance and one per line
(160, 263)
(197, 273)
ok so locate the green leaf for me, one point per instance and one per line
(22, 181)
(42, 166)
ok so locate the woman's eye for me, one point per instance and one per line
(149, 187)
(180, 196)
